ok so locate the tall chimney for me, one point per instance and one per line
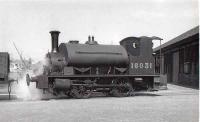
(54, 41)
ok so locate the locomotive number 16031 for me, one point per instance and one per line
(141, 65)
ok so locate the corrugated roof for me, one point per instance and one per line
(179, 38)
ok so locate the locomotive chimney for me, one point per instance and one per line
(54, 41)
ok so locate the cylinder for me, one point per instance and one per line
(54, 41)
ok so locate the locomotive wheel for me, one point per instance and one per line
(120, 92)
(116, 92)
(123, 91)
(80, 92)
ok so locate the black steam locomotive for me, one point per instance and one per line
(78, 70)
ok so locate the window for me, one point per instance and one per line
(133, 47)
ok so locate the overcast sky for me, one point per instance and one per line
(28, 23)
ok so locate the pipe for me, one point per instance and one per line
(89, 39)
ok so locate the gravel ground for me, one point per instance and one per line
(177, 104)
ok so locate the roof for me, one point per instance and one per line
(179, 38)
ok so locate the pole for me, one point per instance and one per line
(20, 56)
(160, 59)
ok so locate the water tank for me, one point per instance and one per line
(89, 55)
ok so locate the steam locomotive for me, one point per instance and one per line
(78, 70)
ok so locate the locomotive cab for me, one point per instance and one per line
(141, 59)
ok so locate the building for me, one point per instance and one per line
(180, 59)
